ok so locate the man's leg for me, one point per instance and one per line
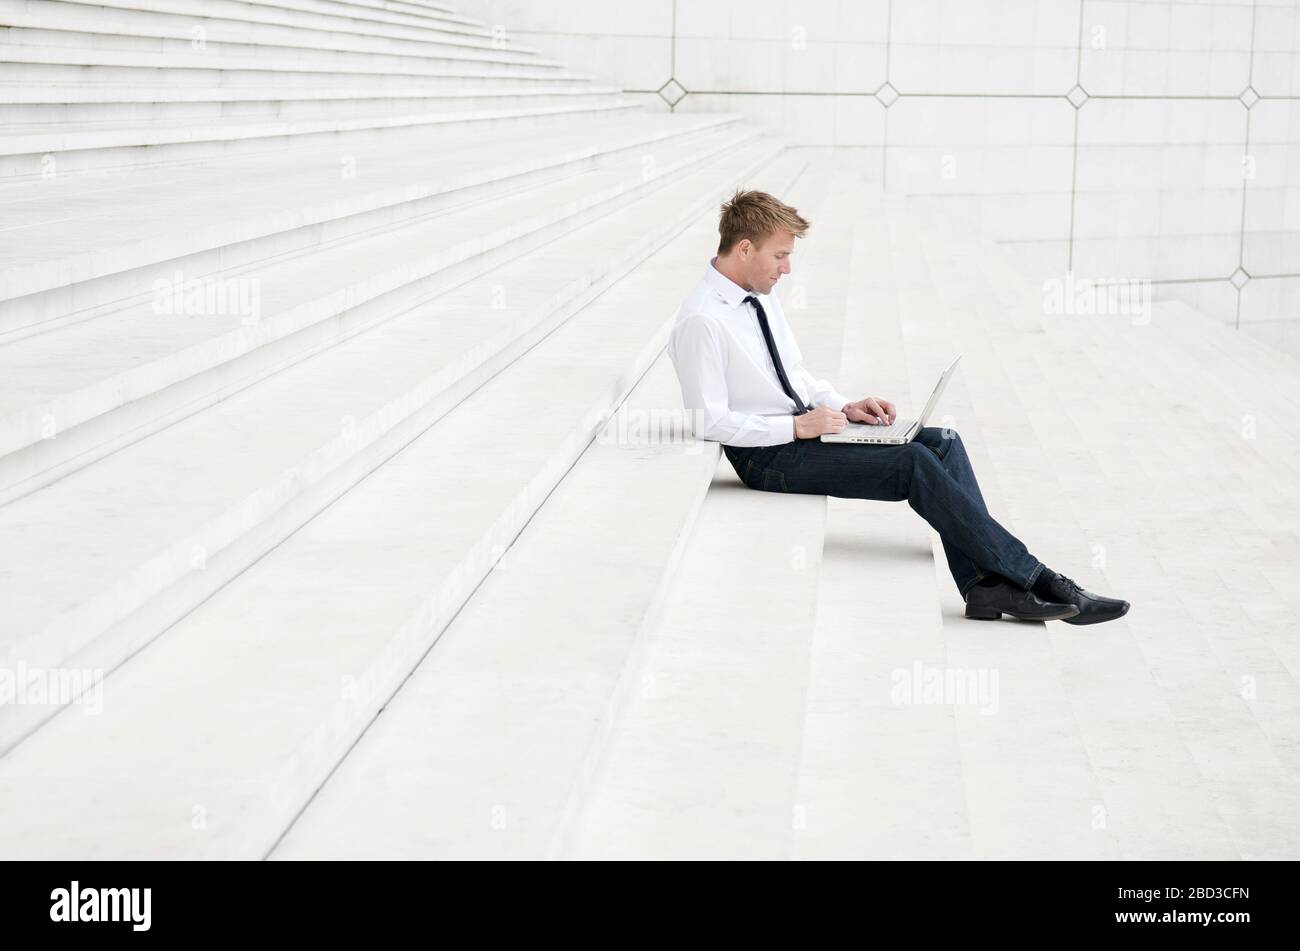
(934, 478)
(952, 453)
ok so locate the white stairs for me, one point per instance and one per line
(320, 322)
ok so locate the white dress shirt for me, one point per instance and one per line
(729, 383)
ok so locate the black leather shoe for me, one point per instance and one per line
(1093, 608)
(989, 604)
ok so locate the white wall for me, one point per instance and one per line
(1161, 173)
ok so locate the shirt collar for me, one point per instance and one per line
(727, 289)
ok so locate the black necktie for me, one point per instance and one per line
(776, 357)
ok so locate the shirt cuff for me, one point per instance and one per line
(786, 429)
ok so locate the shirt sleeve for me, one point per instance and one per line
(821, 393)
(697, 356)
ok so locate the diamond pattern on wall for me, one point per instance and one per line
(672, 92)
(1142, 67)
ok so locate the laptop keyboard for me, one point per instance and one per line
(898, 428)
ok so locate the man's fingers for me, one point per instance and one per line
(884, 410)
(870, 410)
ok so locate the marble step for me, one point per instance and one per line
(331, 17)
(50, 88)
(1233, 439)
(381, 11)
(439, 8)
(115, 61)
(90, 584)
(1262, 382)
(144, 366)
(378, 12)
(214, 24)
(1196, 362)
(478, 754)
(1173, 647)
(74, 229)
(1237, 499)
(504, 776)
(1155, 380)
(1238, 359)
(701, 759)
(152, 105)
(1001, 695)
(24, 49)
(1148, 371)
(1200, 646)
(253, 698)
(879, 775)
(23, 81)
(105, 145)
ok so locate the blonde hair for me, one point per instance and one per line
(756, 216)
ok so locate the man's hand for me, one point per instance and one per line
(823, 419)
(872, 410)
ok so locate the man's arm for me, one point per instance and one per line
(821, 393)
(697, 357)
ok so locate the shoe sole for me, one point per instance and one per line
(994, 614)
(1099, 618)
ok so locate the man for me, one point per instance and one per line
(743, 381)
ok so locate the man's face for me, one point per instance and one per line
(764, 265)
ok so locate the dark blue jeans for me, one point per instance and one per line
(932, 472)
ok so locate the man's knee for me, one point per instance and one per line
(916, 450)
(940, 440)
(938, 434)
(917, 456)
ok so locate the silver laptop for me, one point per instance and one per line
(901, 431)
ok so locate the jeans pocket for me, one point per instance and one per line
(774, 480)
